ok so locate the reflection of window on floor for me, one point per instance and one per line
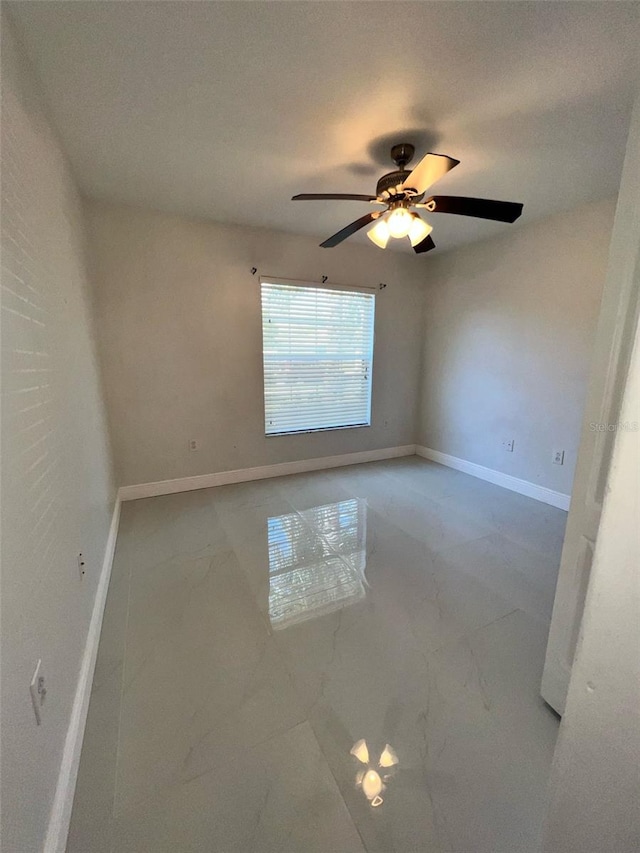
(317, 560)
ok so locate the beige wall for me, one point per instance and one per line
(506, 342)
(57, 493)
(508, 335)
(181, 341)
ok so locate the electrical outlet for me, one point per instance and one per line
(558, 457)
(508, 445)
(38, 692)
(193, 444)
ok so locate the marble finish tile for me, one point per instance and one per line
(490, 736)
(473, 738)
(436, 593)
(424, 477)
(202, 679)
(160, 528)
(414, 513)
(255, 632)
(278, 797)
(307, 491)
(523, 577)
(526, 522)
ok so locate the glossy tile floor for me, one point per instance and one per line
(255, 633)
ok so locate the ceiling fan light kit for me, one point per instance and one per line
(419, 231)
(401, 190)
(379, 234)
(399, 222)
(416, 229)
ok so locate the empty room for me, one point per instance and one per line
(320, 424)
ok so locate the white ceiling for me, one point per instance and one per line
(226, 109)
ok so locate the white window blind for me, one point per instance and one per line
(318, 354)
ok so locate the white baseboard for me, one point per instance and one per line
(242, 475)
(60, 818)
(515, 484)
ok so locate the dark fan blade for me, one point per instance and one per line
(425, 246)
(349, 230)
(430, 169)
(335, 196)
(482, 208)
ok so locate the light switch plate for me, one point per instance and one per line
(38, 692)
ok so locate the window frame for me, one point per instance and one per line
(318, 285)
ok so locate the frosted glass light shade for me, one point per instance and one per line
(359, 749)
(388, 757)
(399, 222)
(371, 784)
(419, 230)
(379, 234)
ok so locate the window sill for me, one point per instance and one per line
(319, 429)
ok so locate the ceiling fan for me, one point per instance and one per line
(400, 191)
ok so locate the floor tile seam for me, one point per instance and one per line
(189, 557)
(393, 477)
(277, 734)
(337, 784)
(246, 751)
(424, 542)
(467, 635)
(452, 497)
(434, 501)
(398, 531)
(504, 492)
(461, 544)
(410, 488)
(529, 549)
(215, 767)
(321, 752)
(279, 651)
(529, 580)
(498, 531)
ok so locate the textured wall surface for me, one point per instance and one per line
(508, 339)
(57, 491)
(180, 330)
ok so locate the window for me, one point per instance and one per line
(317, 351)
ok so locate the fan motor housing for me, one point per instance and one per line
(393, 180)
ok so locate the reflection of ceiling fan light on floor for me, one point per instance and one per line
(401, 190)
(370, 780)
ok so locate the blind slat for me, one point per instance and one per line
(317, 357)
